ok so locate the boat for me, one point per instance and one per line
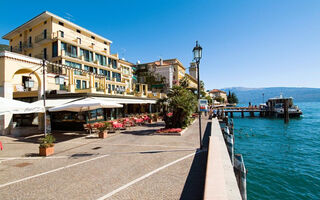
(276, 107)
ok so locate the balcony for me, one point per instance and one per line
(17, 49)
(27, 45)
(42, 37)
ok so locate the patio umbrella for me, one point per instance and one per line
(85, 105)
(18, 107)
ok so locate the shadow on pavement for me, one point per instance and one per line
(59, 135)
(194, 185)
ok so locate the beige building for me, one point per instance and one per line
(171, 69)
(218, 93)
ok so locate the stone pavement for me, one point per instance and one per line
(133, 164)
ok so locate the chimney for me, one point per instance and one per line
(161, 61)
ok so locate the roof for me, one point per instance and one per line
(166, 62)
(43, 16)
(216, 91)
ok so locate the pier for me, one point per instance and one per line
(243, 110)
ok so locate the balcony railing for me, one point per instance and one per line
(27, 45)
(17, 49)
(41, 37)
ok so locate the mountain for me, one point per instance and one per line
(4, 47)
(254, 95)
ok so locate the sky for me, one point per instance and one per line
(246, 43)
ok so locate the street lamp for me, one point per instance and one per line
(29, 83)
(197, 54)
(59, 80)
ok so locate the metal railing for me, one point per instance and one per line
(41, 37)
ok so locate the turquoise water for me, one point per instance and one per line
(283, 161)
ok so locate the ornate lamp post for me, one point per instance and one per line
(30, 83)
(197, 54)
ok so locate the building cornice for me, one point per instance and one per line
(45, 15)
(20, 57)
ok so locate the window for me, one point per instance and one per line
(114, 64)
(78, 84)
(93, 37)
(45, 53)
(30, 29)
(63, 46)
(30, 54)
(61, 23)
(113, 87)
(45, 22)
(79, 40)
(88, 55)
(74, 65)
(78, 31)
(70, 50)
(96, 84)
(11, 48)
(126, 70)
(101, 71)
(117, 76)
(20, 45)
(86, 67)
(45, 34)
(61, 34)
(30, 41)
(96, 114)
(54, 49)
(101, 59)
(84, 84)
(109, 88)
(108, 75)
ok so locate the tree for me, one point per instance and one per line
(232, 97)
(182, 102)
(219, 99)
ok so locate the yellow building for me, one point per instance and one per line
(80, 57)
(55, 39)
(171, 69)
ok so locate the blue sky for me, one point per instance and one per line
(249, 43)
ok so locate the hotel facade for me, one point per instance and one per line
(83, 61)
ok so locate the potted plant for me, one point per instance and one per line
(46, 147)
(102, 130)
(149, 118)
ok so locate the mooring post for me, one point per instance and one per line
(286, 111)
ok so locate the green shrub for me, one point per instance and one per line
(47, 141)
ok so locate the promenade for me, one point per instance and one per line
(133, 164)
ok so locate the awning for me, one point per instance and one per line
(128, 101)
(54, 102)
(18, 107)
(85, 105)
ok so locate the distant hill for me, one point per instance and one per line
(254, 95)
(4, 47)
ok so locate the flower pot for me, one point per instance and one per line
(103, 134)
(46, 151)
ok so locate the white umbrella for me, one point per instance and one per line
(18, 107)
(85, 105)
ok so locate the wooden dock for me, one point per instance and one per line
(242, 110)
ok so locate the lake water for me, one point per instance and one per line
(283, 161)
